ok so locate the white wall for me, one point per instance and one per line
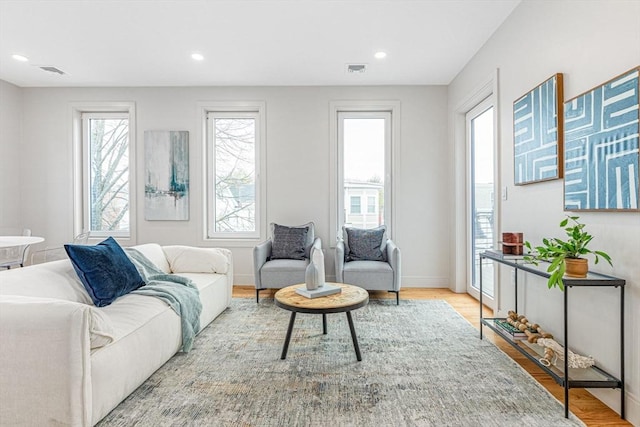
(297, 164)
(10, 147)
(590, 42)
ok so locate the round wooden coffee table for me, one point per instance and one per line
(351, 298)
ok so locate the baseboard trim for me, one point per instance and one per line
(243, 280)
(407, 281)
(425, 282)
(611, 398)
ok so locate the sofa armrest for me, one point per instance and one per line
(393, 258)
(45, 372)
(339, 259)
(261, 253)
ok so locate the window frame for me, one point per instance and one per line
(484, 87)
(351, 205)
(374, 205)
(208, 111)
(79, 135)
(338, 109)
(473, 287)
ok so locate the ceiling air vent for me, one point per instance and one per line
(356, 68)
(53, 70)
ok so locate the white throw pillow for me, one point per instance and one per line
(156, 255)
(188, 259)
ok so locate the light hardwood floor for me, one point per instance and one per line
(582, 403)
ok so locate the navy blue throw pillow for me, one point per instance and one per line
(105, 270)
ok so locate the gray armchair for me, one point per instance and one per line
(275, 271)
(379, 275)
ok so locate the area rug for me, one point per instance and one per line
(422, 365)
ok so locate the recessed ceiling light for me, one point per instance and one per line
(380, 55)
(197, 57)
(20, 58)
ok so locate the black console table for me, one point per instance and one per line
(592, 377)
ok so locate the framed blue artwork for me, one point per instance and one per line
(601, 147)
(537, 133)
(166, 187)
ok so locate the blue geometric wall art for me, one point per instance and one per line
(601, 156)
(537, 133)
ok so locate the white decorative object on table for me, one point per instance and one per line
(314, 275)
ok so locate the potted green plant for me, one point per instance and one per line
(564, 255)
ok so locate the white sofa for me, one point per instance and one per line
(64, 361)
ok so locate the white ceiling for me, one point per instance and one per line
(244, 42)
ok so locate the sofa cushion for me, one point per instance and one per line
(215, 294)
(365, 244)
(105, 270)
(155, 254)
(373, 275)
(134, 311)
(289, 242)
(187, 259)
(283, 272)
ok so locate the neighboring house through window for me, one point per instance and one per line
(371, 204)
(364, 141)
(359, 191)
(355, 204)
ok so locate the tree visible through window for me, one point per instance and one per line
(108, 173)
(234, 159)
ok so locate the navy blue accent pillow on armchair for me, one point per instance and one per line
(105, 270)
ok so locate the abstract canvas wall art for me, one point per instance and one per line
(166, 189)
(537, 133)
(601, 147)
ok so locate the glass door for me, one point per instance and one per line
(481, 219)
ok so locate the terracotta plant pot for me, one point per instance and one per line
(577, 267)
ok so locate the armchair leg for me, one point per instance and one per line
(257, 296)
(397, 297)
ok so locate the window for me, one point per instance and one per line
(371, 204)
(103, 154)
(481, 149)
(364, 168)
(233, 178)
(355, 204)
